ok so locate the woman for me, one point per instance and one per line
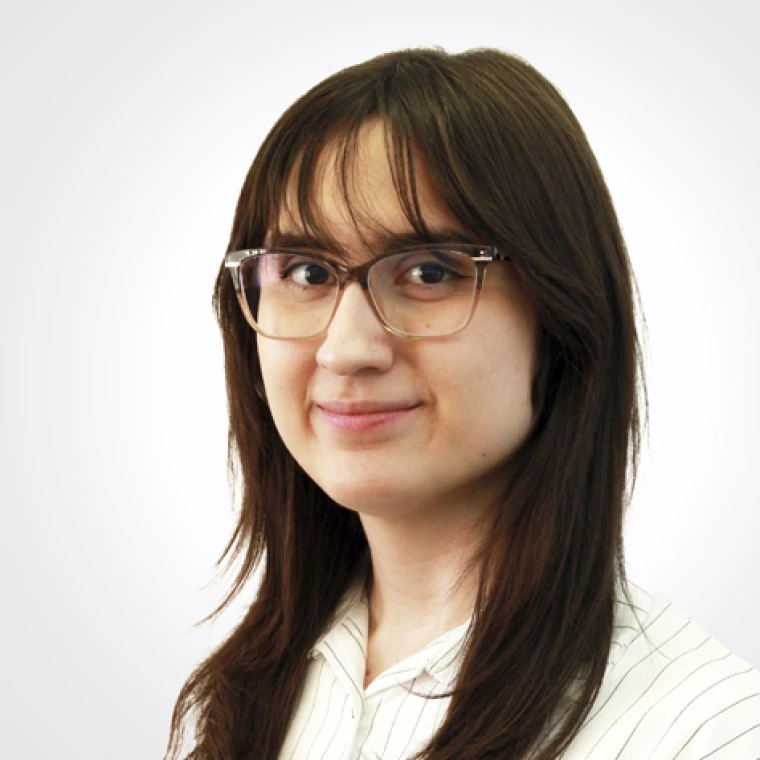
(433, 376)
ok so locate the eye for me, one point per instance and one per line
(430, 268)
(306, 273)
(429, 273)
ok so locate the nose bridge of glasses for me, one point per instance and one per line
(359, 273)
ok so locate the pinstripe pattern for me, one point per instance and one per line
(670, 691)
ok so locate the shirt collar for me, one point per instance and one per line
(441, 658)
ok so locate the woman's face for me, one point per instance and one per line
(466, 397)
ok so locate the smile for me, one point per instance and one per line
(358, 421)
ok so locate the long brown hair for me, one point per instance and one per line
(514, 167)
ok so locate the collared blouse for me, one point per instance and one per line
(670, 692)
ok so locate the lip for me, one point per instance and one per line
(365, 407)
(361, 416)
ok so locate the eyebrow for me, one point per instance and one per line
(385, 242)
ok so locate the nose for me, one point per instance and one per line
(355, 340)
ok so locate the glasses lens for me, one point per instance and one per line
(428, 292)
(289, 295)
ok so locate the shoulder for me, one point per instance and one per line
(671, 691)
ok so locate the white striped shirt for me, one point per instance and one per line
(670, 691)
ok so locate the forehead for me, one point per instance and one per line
(355, 199)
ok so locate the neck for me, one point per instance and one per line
(415, 572)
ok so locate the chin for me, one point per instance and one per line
(370, 499)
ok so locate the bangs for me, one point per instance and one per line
(450, 125)
(295, 208)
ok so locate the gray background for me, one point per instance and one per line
(126, 132)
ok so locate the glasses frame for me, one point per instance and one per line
(482, 255)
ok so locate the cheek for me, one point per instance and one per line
(482, 391)
(285, 373)
(487, 389)
(495, 361)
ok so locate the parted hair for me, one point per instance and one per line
(514, 168)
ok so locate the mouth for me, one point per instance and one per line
(361, 417)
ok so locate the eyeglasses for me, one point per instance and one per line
(424, 291)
